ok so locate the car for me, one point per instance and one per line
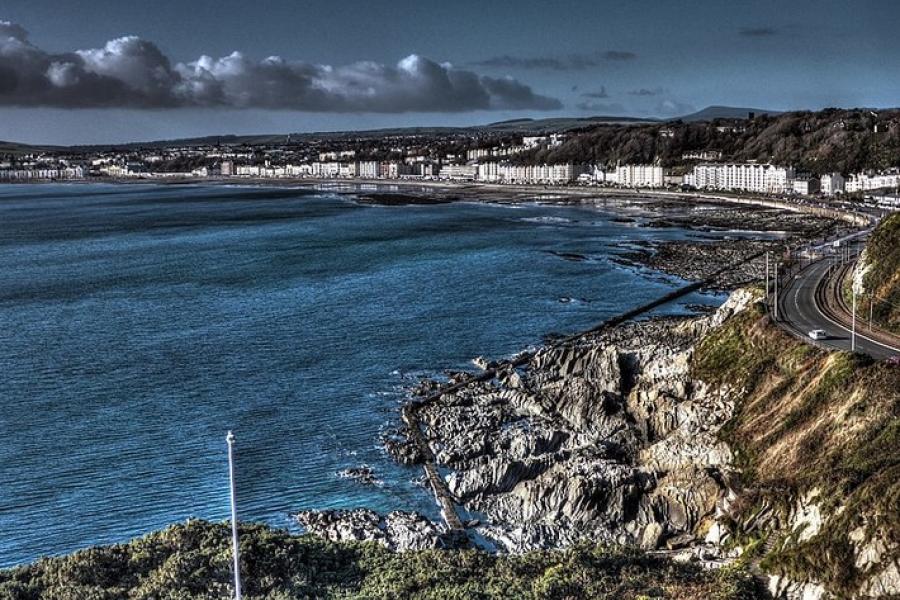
(818, 334)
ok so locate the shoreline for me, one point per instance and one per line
(477, 191)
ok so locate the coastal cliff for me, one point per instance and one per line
(716, 439)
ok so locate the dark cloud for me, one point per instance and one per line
(601, 108)
(646, 92)
(570, 62)
(758, 31)
(599, 94)
(131, 72)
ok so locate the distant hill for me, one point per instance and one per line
(725, 112)
(17, 148)
(560, 123)
(818, 142)
(513, 126)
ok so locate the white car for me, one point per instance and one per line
(818, 334)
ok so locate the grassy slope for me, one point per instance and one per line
(808, 419)
(192, 561)
(883, 252)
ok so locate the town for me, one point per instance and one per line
(497, 157)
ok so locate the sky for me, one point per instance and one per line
(108, 71)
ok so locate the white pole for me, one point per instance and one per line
(776, 290)
(853, 331)
(767, 276)
(234, 528)
(871, 302)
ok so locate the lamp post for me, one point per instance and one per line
(234, 527)
(776, 290)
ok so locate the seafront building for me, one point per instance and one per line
(832, 184)
(805, 186)
(544, 174)
(862, 182)
(643, 176)
(41, 174)
(749, 177)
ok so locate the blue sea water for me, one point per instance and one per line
(138, 323)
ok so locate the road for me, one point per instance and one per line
(801, 309)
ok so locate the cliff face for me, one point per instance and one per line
(877, 275)
(817, 439)
(717, 438)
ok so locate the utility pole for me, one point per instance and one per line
(776, 290)
(767, 275)
(234, 527)
(871, 302)
(853, 331)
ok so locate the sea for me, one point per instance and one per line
(140, 323)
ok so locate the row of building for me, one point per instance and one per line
(652, 176)
(41, 174)
(773, 179)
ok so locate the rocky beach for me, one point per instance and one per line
(609, 439)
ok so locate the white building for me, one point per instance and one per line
(367, 169)
(645, 176)
(832, 184)
(750, 177)
(41, 173)
(862, 182)
(458, 172)
(805, 186)
(702, 155)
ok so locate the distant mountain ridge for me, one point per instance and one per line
(522, 126)
(710, 113)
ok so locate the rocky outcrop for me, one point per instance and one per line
(608, 438)
(398, 530)
(612, 439)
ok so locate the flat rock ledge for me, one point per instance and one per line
(398, 531)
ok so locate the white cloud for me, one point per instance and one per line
(130, 72)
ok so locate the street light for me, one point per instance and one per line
(776, 290)
(234, 530)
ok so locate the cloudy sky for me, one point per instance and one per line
(119, 70)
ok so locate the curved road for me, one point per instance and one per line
(799, 310)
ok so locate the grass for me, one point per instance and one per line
(808, 419)
(191, 561)
(883, 276)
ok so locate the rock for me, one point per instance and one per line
(884, 583)
(399, 447)
(363, 474)
(397, 530)
(651, 536)
(607, 439)
(680, 541)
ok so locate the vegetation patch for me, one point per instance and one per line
(807, 419)
(882, 280)
(192, 561)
